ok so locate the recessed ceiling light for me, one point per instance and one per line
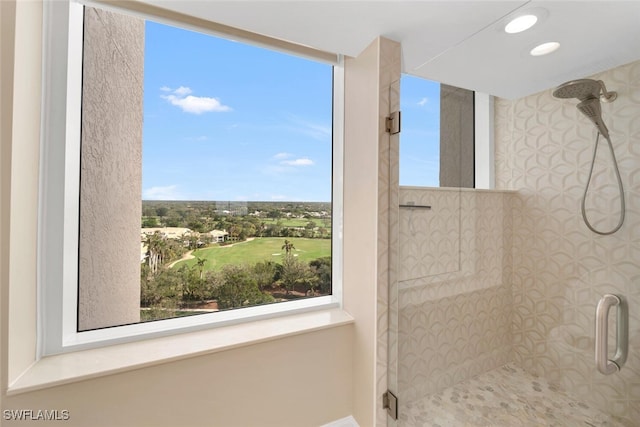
(521, 23)
(544, 48)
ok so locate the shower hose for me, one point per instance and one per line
(586, 189)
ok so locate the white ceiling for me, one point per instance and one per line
(461, 43)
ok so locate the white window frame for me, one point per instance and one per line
(58, 216)
(485, 176)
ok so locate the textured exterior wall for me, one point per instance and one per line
(561, 269)
(111, 170)
(454, 290)
(456, 137)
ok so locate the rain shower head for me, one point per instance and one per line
(582, 89)
(589, 92)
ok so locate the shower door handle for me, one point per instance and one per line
(605, 365)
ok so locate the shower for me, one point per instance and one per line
(590, 93)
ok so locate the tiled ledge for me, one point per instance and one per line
(456, 189)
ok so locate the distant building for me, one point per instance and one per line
(144, 249)
(167, 232)
(181, 233)
(219, 236)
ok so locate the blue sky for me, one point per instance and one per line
(228, 121)
(420, 136)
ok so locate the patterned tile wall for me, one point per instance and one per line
(430, 238)
(560, 268)
(455, 306)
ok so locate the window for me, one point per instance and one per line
(437, 139)
(193, 175)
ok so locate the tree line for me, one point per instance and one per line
(241, 220)
(164, 291)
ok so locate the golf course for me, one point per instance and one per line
(258, 249)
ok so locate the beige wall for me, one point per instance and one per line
(307, 379)
(20, 118)
(7, 33)
(560, 268)
(368, 81)
(299, 381)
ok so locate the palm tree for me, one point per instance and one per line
(288, 247)
(155, 250)
(200, 262)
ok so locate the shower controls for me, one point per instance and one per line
(605, 365)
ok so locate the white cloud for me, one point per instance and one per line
(285, 163)
(297, 162)
(193, 104)
(196, 138)
(197, 104)
(315, 130)
(182, 91)
(165, 89)
(423, 101)
(318, 131)
(168, 192)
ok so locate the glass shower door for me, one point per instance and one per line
(508, 337)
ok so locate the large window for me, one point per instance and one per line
(202, 172)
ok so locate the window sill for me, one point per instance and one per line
(81, 365)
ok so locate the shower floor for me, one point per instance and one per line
(504, 397)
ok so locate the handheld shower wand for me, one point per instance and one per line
(590, 93)
(591, 108)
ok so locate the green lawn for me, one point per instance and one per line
(259, 249)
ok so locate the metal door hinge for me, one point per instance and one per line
(390, 403)
(393, 123)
